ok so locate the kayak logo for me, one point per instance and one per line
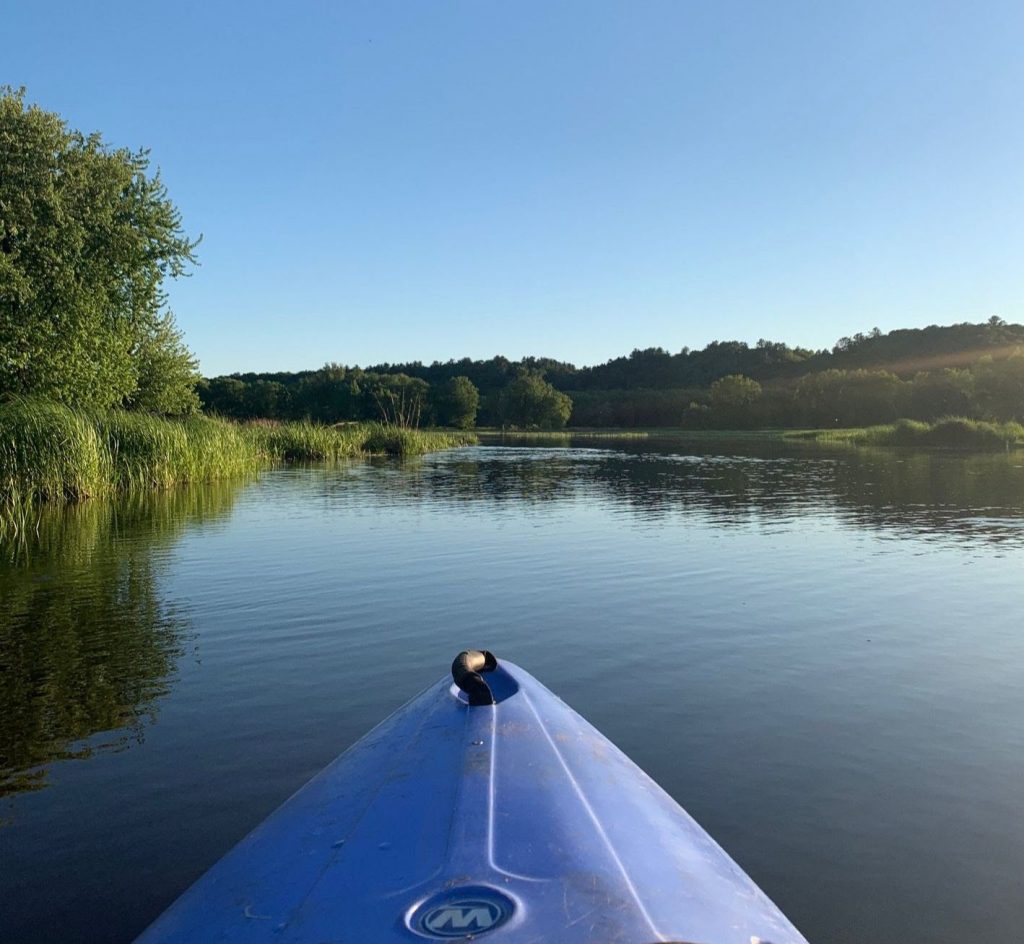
(465, 917)
(462, 912)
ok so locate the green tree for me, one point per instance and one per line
(400, 399)
(999, 386)
(934, 394)
(529, 400)
(167, 373)
(332, 394)
(731, 398)
(849, 397)
(87, 237)
(225, 396)
(456, 402)
(267, 399)
(733, 391)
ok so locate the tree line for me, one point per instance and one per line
(337, 394)
(987, 382)
(990, 389)
(904, 352)
(88, 235)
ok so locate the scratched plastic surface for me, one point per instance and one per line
(511, 823)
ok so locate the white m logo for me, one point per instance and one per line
(461, 915)
(456, 918)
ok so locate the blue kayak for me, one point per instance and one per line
(483, 809)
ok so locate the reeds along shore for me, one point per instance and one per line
(953, 432)
(51, 452)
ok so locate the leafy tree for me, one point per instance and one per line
(731, 398)
(635, 407)
(933, 394)
(166, 370)
(456, 402)
(400, 399)
(849, 397)
(529, 400)
(87, 237)
(266, 398)
(225, 396)
(1000, 387)
(331, 394)
(734, 391)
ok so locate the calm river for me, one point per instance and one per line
(820, 654)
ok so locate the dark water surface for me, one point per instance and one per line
(819, 654)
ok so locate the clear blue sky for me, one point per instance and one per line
(425, 179)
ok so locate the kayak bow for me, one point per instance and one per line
(483, 808)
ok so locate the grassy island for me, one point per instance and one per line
(953, 432)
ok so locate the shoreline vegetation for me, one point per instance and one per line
(952, 432)
(51, 453)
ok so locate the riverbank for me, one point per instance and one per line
(53, 453)
(948, 433)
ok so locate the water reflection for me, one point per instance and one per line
(931, 495)
(87, 642)
(836, 696)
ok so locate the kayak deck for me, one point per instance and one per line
(509, 822)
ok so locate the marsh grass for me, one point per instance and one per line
(306, 441)
(49, 452)
(397, 441)
(953, 432)
(53, 453)
(152, 452)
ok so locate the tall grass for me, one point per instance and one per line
(396, 441)
(313, 442)
(153, 452)
(952, 432)
(50, 452)
(306, 441)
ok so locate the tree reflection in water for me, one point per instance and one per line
(87, 642)
(934, 495)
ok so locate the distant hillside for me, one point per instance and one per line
(903, 352)
(908, 350)
(873, 377)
